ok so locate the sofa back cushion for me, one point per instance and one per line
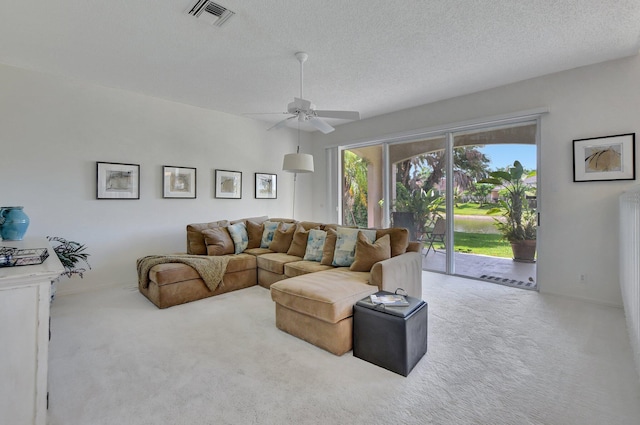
(399, 239)
(308, 225)
(367, 253)
(345, 250)
(258, 220)
(218, 241)
(254, 232)
(329, 247)
(299, 243)
(195, 239)
(315, 245)
(282, 238)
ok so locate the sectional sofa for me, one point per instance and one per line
(316, 272)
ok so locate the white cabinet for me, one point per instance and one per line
(24, 336)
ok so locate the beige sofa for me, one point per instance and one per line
(314, 299)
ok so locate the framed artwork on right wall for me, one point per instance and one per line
(605, 158)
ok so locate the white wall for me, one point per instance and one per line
(53, 130)
(579, 226)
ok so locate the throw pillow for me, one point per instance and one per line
(399, 238)
(254, 231)
(367, 253)
(282, 238)
(267, 234)
(314, 245)
(299, 243)
(239, 235)
(329, 247)
(218, 241)
(346, 245)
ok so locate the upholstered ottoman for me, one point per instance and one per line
(394, 338)
(318, 307)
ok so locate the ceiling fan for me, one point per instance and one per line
(304, 111)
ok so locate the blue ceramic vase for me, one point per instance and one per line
(13, 223)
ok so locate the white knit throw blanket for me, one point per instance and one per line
(210, 268)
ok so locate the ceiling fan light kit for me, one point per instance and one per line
(305, 111)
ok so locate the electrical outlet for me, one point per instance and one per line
(583, 278)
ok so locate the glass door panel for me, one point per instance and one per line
(417, 194)
(362, 186)
(480, 215)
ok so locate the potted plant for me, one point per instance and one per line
(69, 253)
(518, 224)
(415, 209)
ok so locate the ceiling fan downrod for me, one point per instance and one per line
(302, 57)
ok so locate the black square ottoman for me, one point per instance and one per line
(394, 338)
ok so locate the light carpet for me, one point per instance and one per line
(496, 355)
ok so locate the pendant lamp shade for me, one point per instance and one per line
(298, 163)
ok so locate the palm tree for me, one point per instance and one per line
(355, 190)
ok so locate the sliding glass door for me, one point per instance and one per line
(484, 216)
(417, 192)
(443, 189)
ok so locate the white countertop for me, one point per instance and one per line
(50, 269)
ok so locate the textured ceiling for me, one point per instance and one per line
(367, 55)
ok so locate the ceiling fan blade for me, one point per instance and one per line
(302, 104)
(281, 124)
(345, 115)
(320, 125)
(265, 113)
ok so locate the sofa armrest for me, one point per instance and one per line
(402, 271)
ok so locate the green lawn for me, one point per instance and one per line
(478, 243)
(471, 208)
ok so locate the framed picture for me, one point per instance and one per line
(228, 184)
(266, 186)
(178, 182)
(117, 181)
(604, 158)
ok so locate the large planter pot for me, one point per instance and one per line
(524, 251)
(13, 223)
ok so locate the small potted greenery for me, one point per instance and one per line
(70, 254)
(518, 224)
(416, 208)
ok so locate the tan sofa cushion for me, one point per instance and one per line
(282, 238)
(257, 251)
(298, 268)
(399, 239)
(275, 262)
(260, 219)
(218, 241)
(254, 232)
(168, 273)
(367, 253)
(329, 247)
(328, 296)
(299, 242)
(195, 239)
(307, 225)
(283, 220)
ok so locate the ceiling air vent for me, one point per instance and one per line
(210, 12)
